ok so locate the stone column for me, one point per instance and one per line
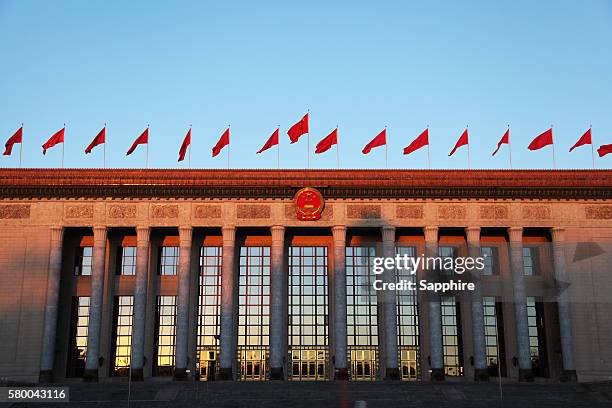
(565, 320)
(478, 332)
(340, 334)
(95, 306)
(520, 303)
(277, 305)
(140, 302)
(436, 350)
(389, 308)
(227, 353)
(51, 305)
(182, 304)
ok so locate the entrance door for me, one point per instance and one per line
(364, 364)
(253, 363)
(308, 364)
(208, 365)
(408, 363)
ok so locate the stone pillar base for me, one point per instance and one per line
(392, 374)
(437, 374)
(225, 374)
(525, 375)
(90, 375)
(568, 376)
(276, 373)
(180, 374)
(45, 376)
(342, 374)
(481, 374)
(137, 374)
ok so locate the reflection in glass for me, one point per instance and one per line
(407, 322)
(165, 336)
(78, 336)
(123, 315)
(451, 337)
(209, 303)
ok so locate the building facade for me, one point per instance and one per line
(255, 275)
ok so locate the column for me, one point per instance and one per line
(389, 308)
(140, 302)
(53, 286)
(278, 309)
(565, 320)
(182, 304)
(340, 335)
(478, 333)
(95, 307)
(227, 354)
(436, 351)
(520, 303)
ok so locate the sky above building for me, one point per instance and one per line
(354, 64)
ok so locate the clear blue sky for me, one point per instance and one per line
(255, 65)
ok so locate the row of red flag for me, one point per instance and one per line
(301, 128)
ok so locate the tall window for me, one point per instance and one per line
(447, 252)
(490, 261)
(165, 336)
(123, 318)
(83, 262)
(209, 310)
(308, 312)
(362, 316)
(78, 336)
(168, 260)
(494, 336)
(537, 338)
(128, 261)
(407, 321)
(451, 337)
(530, 261)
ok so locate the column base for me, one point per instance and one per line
(481, 374)
(392, 374)
(225, 374)
(276, 374)
(568, 376)
(45, 376)
(437, 374)
(90, 375)
(525, 375)
(341, 374)
(180, 374)
(137, 374)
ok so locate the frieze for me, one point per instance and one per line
(598, 212)
(207, 211)
(122, 211)
(165, 211)
(363, 211)
(409, 211)
(452, 212)
(253, 211)
(493, 212)
(79, 211)
(14, 211)
(536, 212)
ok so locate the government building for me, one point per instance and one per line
(263, 275)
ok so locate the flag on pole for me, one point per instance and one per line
(504, 140)
(185, 145)
(604, 149)
(584, 140)
(272, 141)
(463, 140)
(379, 140)
(98, 140)
(327, 142)
(542, 140)
(57, 138)
(16, 138)
(223, 141)
(142, 139)
(299, 129)
(421, 141)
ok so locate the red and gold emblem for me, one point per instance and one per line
(309, 204)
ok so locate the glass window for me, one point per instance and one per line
(165, 336)
(168, 260)
(122, 350)
(407, 321)
(83, 261)
(254, 297)
(490, 261)
(451, 336)
(447, 252)
(530, 261)
(493, 336)
(537, 338)
(78, 336)
(128, 261)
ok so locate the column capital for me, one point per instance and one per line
(185, 233)
(100, 232)
(431, 234)
(229, 234)
(558, 234)
(388, 233)
(278, 233)
(142, 235)
(57, 234)
(472, 234)
(515, 234)
(339, 233)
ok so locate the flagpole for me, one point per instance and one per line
(468, 144)
(104, 162)
(189, 147)
(428, 156)
(278, 150)
(592, 149)
(509, 147)
(553, 149)
(308, 137)
(337, 148)
(63, 143)
(229, 146)
(147, 159)
(386, 150)
(21, 145)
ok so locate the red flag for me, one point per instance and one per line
(16, 138)
(463, 140)
(379, 140)
(326, 143)
(142, 139)
(272, 141)
(604, 149)
(584, 139)
(420, 141)
(298, 129)
(504, 140)
(58, 137)
(184, 146)
(98, 140)
(542, 140)
(224, 141)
